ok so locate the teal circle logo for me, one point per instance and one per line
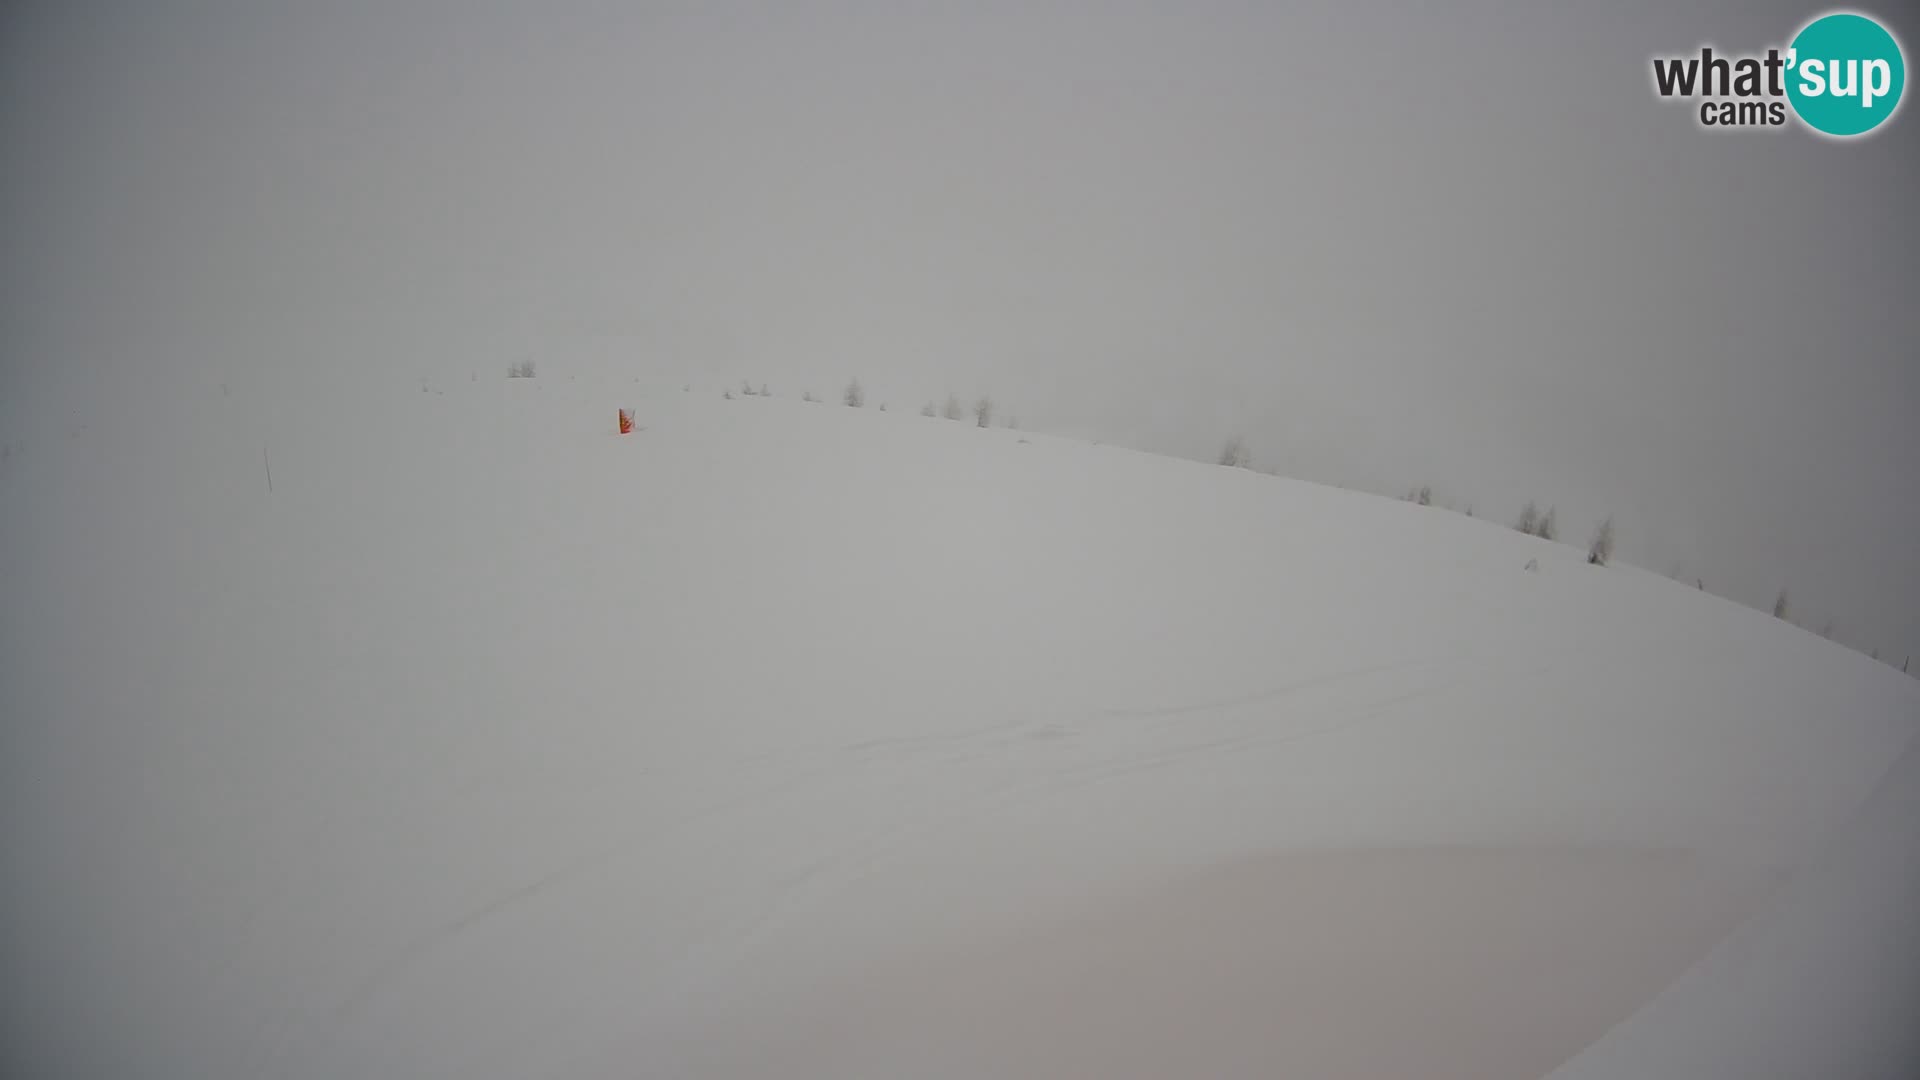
(1845, 74)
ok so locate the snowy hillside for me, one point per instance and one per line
(789, 740)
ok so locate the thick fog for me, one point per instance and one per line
(1389, 245)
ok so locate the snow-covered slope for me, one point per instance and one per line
(789, 740)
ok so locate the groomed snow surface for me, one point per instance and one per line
(792, 740)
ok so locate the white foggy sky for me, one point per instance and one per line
(1391, 245)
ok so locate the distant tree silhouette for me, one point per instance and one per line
(1601, 549)
(1234, 453)
(1547, 528)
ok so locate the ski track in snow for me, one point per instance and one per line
(842, 868)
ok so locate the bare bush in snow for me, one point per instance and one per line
(953, 410)
(983, 412)
(521, 370)
(853, 395)
(1234, 453)
(1529, 518)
